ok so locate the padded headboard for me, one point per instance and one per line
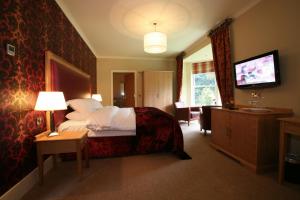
(63, 76)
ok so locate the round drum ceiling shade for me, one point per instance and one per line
(155, 42)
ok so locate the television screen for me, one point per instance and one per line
(258, 71)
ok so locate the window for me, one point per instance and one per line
(204, 89)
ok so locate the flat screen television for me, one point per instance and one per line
(258, 72)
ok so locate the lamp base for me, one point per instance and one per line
(53, 134)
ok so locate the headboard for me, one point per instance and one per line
(60, 75)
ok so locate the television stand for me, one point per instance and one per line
(250, 135)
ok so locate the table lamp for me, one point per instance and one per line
(51, 101)
(97, 97)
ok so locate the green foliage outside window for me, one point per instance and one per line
(205, 91)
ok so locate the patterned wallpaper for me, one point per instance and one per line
(33, 26)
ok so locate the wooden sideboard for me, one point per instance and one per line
(249, 135)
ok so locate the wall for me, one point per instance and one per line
(271, 24)
(186, 93)
(33, 27)
(106, 65)
(196, 46)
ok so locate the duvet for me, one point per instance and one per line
(112, 118)
(156, 131)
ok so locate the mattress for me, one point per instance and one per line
(74, 125)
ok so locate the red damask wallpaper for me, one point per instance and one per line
(32, 26)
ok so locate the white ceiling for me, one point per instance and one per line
(115, 28)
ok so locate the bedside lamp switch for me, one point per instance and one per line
(10, 49)
(39, 121)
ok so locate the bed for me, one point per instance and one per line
(155, 130)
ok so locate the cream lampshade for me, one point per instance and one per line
(155, 42)
(51, 101)
(97, 97)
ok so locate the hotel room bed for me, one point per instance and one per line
(155, 131)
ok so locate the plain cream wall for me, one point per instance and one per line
(196, 46)
(106, 65)
(271, 24)
(186, 92)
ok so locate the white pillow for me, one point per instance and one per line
(75, 115)
(102, 117)
(84, 105)
(72, 125)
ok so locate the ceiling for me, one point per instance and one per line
(115, 28)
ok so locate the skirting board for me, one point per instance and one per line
(22, 187)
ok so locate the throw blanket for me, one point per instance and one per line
(158, 131)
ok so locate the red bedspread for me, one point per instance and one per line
(156, 131)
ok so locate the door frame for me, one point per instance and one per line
(112, 84)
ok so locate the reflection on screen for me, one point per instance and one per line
(260, 70)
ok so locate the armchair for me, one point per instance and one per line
(205, 118)
(186, 113)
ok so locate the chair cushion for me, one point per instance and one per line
(179, 104)
(195, 114)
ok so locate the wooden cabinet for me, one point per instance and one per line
(250, 137)
(158, 90)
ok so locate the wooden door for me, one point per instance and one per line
(118, 89)
(139, 88)
(151, 87)
(246, 130)
(158, 89)
(165, 93)
(238, 126)
(220, 127)
(129, 100)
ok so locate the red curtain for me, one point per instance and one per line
(220, 39)
(203, 67)
(179, 60)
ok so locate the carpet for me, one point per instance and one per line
(162, 176)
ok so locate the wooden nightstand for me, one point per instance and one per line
(65, 142)
(288, 126)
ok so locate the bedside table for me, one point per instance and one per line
(65, 142)
(288, 126)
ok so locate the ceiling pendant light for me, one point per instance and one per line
(155, 42)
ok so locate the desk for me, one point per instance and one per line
(65, 142)
(290, 126)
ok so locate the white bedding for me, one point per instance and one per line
(112, 118)
(74, 125)
(105, 121)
